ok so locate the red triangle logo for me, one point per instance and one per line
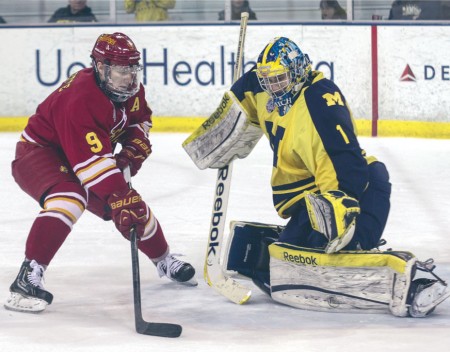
(408, 75)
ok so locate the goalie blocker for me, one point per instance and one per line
(226, 135)
(348, 281)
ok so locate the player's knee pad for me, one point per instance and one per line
(375, 207)
(65, 201)
(378, 173)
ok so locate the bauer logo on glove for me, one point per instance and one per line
(145, 147)
(129, 199)
(333, 214)
(129, 210)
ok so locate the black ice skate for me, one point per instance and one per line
(27, 292)
(425, 295)
(177, 270)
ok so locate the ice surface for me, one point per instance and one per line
(91, 275)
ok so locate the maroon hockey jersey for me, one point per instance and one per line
(81, 122)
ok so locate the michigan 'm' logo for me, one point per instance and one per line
(333, 99)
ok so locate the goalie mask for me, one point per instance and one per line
(282, 69)
(119, 74)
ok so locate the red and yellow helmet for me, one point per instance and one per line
(116, 49)
(119, 73)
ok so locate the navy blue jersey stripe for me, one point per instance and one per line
(332, 120)
(297, 184)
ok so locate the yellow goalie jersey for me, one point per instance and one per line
(314, 144)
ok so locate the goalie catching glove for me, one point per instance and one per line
(133, 154)
(128, 210)
(333, 214)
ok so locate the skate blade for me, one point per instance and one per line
(191, 282)
(19, 303)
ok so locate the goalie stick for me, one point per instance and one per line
(213, 273)
(143, 327)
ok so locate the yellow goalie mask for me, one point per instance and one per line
(282, 69)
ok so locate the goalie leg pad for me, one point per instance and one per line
(353, 281)
(246, 247)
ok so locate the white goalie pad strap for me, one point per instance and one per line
(356, 281)
(226, 135)
(400, 288)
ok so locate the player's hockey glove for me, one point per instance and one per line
(333, 214)
(128, 210)
(133, 153)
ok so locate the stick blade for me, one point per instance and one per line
(229, 288)
(159, 329)
(233, 290)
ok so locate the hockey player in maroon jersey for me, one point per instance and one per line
(65, 161)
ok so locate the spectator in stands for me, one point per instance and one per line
(76, 11)
(237, 7)
(446, 10)
(149, 10)
(416, 10)
(2, 20)
(331, 10)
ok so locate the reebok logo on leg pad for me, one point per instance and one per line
(300, 259)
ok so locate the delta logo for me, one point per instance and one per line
(408, 75)
(430, 73)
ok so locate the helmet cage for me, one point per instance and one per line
(282, 69)
(275, 82)
(121, 72)
(121, 82)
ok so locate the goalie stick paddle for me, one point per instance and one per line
(213, 272)
(143, 327)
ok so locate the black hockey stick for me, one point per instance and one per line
(143, 327)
